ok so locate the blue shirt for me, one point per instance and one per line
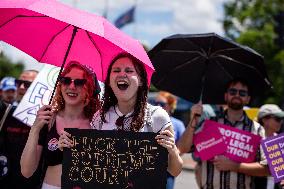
(178, 127)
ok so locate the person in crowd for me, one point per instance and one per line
(9, 90)
(13, 136)
(169, 103)
(209, 110)
(270, 116)
(24, 81)
(75, 102)
(222, 172)
(125, 107)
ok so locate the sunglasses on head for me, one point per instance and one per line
(68, 81)
(26, 84)
(159, 103)
(233, 92)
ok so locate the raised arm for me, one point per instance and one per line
(186, 141)
(32, 151)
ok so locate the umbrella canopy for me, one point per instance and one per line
(54, 33)
(198, 66)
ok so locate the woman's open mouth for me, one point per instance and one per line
(122, 85)
(70, 94)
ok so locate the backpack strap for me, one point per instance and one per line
(5, 116)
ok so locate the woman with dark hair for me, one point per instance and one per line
(125, 107)
(75, 102)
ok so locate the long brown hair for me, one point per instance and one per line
(58, 102)
(109, 99)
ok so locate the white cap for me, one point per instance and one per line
(270, 109)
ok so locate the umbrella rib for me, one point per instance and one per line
(246, 65)
(219, 64)
(94, 43)
(19, 16)
(185, 64)
(224, 50)
(178, 67)
(51, 40)
(200, 48)
(235, 61)
(183, 51)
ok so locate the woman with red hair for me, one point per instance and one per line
(75, 102)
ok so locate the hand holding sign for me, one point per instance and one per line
(167, 140)
(43, 117)
(65, 141)
(223, 163)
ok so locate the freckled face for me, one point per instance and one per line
(124, 79)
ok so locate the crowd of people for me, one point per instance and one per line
(124, 106)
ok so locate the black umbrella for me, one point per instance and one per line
(198, 67)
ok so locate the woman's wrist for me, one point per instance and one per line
(34, 130)
(174, 151)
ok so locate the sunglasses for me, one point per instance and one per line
(159, 103)
(68, 81)
(233, 92)
(26, 84)
(119, 122)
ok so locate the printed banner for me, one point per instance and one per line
(273, 148)
(209, 145)
(37, 95)
(114, 160)
(241, 145)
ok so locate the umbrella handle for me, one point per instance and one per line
(195, 115)
(193, 118)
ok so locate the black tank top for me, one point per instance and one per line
(49, 140)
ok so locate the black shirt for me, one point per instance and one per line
(14, 135)
(49, 140)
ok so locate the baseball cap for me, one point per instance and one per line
(8, 83)
(270, 109)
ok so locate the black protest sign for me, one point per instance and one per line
(114, 160)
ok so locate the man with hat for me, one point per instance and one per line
(9, 90)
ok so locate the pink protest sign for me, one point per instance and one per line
(210, 144)
(241, 145)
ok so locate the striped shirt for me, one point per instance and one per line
(214, 179)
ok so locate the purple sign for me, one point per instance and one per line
(273, 148)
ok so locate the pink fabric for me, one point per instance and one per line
(33, 35)
(207, 146)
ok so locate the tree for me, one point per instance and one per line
(253, 23)
(8, 68)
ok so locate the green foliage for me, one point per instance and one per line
(252, 23)
(7, 68)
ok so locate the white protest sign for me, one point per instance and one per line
(37, 95)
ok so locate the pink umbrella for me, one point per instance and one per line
(54, 33)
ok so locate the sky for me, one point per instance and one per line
(154, 20)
